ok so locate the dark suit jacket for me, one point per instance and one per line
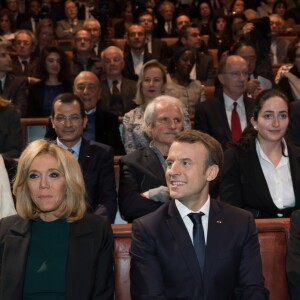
(89, 263)
(140, 171)
(36, 94)
(164, 263)
(160, 31)
(205, 69)
(242, 182)
(293, 132)
(31, 70)
(10, 133)
(97, 164)
(109, 102)
(160, 50)
(293, 257)
(15, 89)
(211, 118)
(128, 70)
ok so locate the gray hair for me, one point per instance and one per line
(149, 112)
(120, 52)
(30, 34)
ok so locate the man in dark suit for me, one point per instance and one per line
(142, 187)
(24, 63)
(13, 88)
(136, 52)
(157, 47)
(203, 69)
(195, 247)
(96, 160)
(117, 92)
(216, 117)
(165, 26)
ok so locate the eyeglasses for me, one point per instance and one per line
(92, 29)
(237, 74)
(20, 42)
(79, 39)
(62, 118)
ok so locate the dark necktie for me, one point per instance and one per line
(24, 65)
(115, 89)
(236, 130)
(71, 150)
(198, 237)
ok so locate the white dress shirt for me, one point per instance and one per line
(185, 211)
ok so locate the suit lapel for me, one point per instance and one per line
(223, 117)
(294, 159)
(184, 243)
(14, 260)
(85, 155)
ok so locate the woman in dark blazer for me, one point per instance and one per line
(55, 79)
(261, 172)
(52, 249)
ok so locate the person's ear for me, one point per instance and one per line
(212, 172)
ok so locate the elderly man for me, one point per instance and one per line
(96, 160)
(142, 186)
(101, 126)
(24, 63)
(117, 92)
(195, 247)
(227, 115)
(66, 28)
(136, 53)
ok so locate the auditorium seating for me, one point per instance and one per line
(272, 234)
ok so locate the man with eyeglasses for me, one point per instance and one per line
(96, 160)
(24, 63)
(83, 56)
(66, 28)
(143, 186)
(136, 52)
(227, 115)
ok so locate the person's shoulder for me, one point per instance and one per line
(134, 156)
(295, 217)
(99, 147)
(94, 222)
(12, 221)
(106, 115)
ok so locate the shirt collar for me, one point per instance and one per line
(184, 210)
(90, 111)
(229, 102)
(75, 148)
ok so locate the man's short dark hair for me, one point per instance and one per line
(213, 147)
(67, 98)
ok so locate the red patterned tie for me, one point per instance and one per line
(236, 129)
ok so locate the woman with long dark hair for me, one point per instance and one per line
(261, 171)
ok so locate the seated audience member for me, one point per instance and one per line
(66, 28)
(165, 25)
(157, 47)
(221, 36)
(256, 80)
(289, 82)
(265, 8)
(14, 7)
(203, 67)
(13, 87)
(226, 116)
(237, 7)
(7, 207)
(280, 8)
(101, 126)
(83, 56)
(151, 84)
(45, 35)
(294, 12)
(68, 119)
(136, 53)
(195, 247)
(33, 16)
(94, 28)
(10, 130)
(7, 25)
(179, 84)
(24, 62)
(205, 17)
(55, 76)
(62, 252)
(293, 257)
(261, 170)
(279, 46)
(117, 92)
(121, 27)
(142, 187)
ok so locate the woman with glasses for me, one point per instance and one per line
(261, 171)
(55, 78)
